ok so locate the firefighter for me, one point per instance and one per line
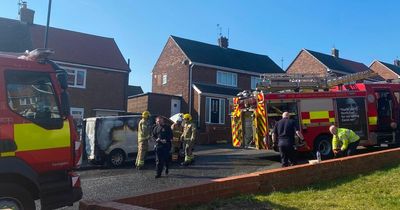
(163, 136)
(283, 138)
(177, 130)
(344, 141)
(144, 130)
(189, 137)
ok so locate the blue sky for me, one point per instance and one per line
(363, 30)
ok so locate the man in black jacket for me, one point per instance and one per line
(162, 134)
(284, 132)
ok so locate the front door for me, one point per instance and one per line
(214, 110)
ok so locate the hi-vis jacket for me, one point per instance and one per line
(143, 130)
(189, 132)
(344, 137)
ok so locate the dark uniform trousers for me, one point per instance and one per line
(288, 155)
(162, 156)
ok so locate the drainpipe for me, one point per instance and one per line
(190, 87)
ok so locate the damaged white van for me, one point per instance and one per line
(113, 139)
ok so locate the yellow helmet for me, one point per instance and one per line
(187, 117)
(146, 114)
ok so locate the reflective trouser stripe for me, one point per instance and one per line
(142, 149)
(7, 154)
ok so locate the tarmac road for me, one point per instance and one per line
(212, 161)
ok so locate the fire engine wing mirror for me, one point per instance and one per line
(62, 78)
(65, 108)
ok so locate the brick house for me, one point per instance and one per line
(311, 62)
(386, 70)
(207, 77)
(97, 72)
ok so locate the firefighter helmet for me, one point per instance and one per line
(187, 117)
(146, 114)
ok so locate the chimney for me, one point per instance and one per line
(397, 62)
(26, 15)
(223, 42)
(335, 52)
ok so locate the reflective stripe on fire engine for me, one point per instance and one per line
(260, 122)
(236, 131)
(317, 117)
(33, 137)
(373, 120)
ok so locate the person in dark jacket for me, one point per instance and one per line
(283, 137)
(162, 134)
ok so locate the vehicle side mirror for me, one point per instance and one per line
(62, 78)
(65, 108)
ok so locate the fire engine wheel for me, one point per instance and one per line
(116, 158)
(13, 196)
(324, 146)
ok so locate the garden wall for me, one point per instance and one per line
(259, 182)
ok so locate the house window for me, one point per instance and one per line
(215, 110)
(76, 77)
(22, 101)
(226, 78)
(164, 79)
(254, 81)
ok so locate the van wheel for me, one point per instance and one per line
(13, 196)
(116, 158)
(323, 144)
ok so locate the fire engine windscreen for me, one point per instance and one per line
(31, 95)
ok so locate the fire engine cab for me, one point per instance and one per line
(372, 110)
(39, 147)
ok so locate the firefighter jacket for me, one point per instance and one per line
(189, 132)
(177, 130)
(143, 130)
(344, 137)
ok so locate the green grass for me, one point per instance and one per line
(377, 190)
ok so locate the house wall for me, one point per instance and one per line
(211, 133)
(104, 90)
(208, 75)
(171, 62)
(306, 64)
(383, 71)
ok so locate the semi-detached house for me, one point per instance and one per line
(207, 77)
(97, 72)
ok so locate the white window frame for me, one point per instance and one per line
(222, 110)
(23, 101)
(75, 73)
(164, 79)
(77, 109)
(254, 81)
(222, 74)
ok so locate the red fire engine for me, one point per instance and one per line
(372, 110)
(39, 146)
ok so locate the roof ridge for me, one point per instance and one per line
(339, 58)
(70, 30)
(213, 45)
(388, 64)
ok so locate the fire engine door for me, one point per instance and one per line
(248, 128)
(386, 111)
